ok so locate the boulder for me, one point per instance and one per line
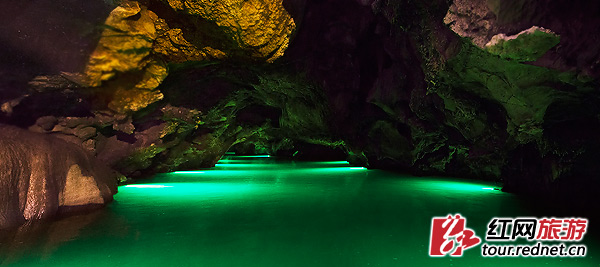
(42, 176)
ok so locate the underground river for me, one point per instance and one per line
(258, 211)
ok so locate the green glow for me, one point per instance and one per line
(187, 195)
(254, 156)
(447, 186)
(229, 153)
(341, 162)
(315, 170)
(277, 213)
(237, 161)
(147, 186)
(358, 168)
(241, 165)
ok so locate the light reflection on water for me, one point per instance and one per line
(263, 212)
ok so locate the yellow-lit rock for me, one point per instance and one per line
(126, 48)
(175, 48)
(136, 45)
(125, 43)
(259, 28)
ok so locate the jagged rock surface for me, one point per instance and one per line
(131, 57)
(574, 21)
(388, 83)
(464, 111)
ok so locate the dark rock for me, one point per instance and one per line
(388, 83)
(47, 123)
(51, 83)
(85, 133)
(575, 21)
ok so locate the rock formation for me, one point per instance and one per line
(137, 44)
(42, 176)
(499, 90)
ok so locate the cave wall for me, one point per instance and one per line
(413, 86)
(501, 90)
(44, 37)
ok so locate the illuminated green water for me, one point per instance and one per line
(261, 212)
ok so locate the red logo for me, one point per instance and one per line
(571, 229)
(449, 235)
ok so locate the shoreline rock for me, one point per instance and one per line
(42, 176)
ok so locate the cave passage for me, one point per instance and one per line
(264, 211)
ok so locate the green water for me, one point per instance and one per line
(263, 212)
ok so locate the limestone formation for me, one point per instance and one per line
(131, 57)
(125, 49)
(528, 45)
(42, 176)
(408, 85)
(258, 28)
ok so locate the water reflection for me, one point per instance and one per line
(265, 212)
(43, 237)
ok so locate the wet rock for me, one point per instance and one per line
(42, 176)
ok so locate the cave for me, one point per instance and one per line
(299, 132)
